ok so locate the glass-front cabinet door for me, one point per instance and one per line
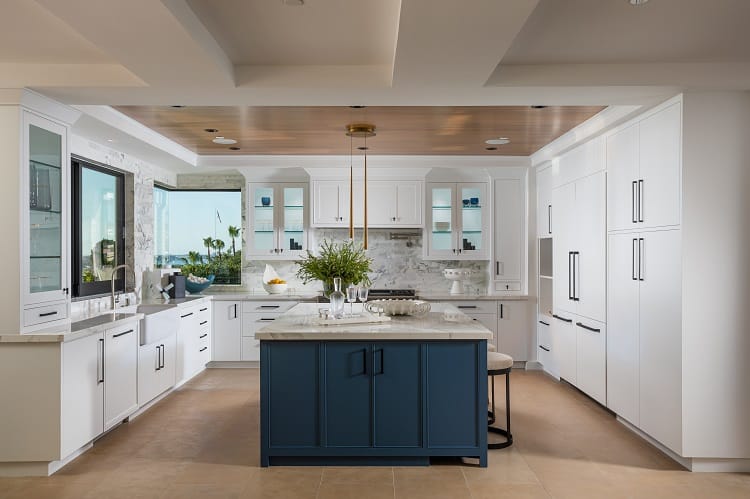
(45, 241)
(457, 228)
(277, 220)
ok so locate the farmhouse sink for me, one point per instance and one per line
(159, 322)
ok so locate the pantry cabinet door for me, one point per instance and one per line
(591, 247)
(622, 181)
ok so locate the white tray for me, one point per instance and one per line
(357, 319)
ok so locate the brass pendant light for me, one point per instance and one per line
(359, 130)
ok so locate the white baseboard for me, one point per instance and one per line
(243, 364)
(39, 468)
(534, 365)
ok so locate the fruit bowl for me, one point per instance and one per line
(195, 288)
(275, 289)
(398, 307)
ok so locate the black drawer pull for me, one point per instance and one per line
(266, 319)
(466, 306)
(204, 322)
(123, 333)
(47, 314)
(545, 323)
(203, 349)
(584, 326)
(203, 336)
(562, 318)
(269, 306)
(544, 348)
(203, 309)
(186, 315)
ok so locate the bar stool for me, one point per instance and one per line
(499, 364)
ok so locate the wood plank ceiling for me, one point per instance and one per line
(403, 130)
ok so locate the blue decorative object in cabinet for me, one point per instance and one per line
(387, 403)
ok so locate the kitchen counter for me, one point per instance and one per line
(73, 330)
(448, 297)
(175, 302)
(443, 322)
(260, 295)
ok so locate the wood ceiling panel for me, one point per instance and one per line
(400, 130)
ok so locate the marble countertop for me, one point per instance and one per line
(73, 330)
(176, 302)
(443, 322)
(448, 297)
(260, 295)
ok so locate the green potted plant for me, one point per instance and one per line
(346, 260)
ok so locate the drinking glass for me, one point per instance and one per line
(363, 292)
(351, 297)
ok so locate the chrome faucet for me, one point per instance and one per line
(125, 282)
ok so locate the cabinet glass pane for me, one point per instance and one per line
(471, 218)
(263, 223)
(45, 204)
(442, 226)
(294, 219)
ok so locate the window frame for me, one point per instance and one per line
(86, 290)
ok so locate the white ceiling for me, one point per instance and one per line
(323, 32)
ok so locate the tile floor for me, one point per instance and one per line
(202, 442)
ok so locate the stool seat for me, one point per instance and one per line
(497, 361)
(491, 347)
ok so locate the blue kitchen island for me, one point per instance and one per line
(394, 393)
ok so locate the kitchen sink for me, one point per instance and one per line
(159, 322)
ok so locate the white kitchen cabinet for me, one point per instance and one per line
(330, 202)
(120, 373)
(458, 221)
(508, 231)
(277, 220)
(644, 166)
(513, 329)
(580, 247)
(564, 345)
(409, 203)
(193, 340)
(543, 202)
(591, 358)
(255, 315)
(156, 368)
(227, 331)
(82, 398)
(44, 220)
(545, 355)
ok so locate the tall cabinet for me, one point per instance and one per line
(277, 220)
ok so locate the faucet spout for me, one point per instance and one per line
(125, 281)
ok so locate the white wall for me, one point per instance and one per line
(10, 146)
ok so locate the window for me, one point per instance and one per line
(98, 228)
(199, 232)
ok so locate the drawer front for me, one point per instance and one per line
(475, 307)
(260, 307)
(204, 339)
(250, 349)
(204, 355)
(252, 322)
(187, 314)
(204, 312)
(543, 334)
(47, 313)
(508, 286)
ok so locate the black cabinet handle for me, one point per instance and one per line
(640, 200)
(589, 328)
(266, 319)
(466, 306)
(570, 273)
(158, 357)
(203, 323)
(269, 306)
(235, 310)
(640, 258)
(576, 259)
(379, 352)
(186, 315)
(203, 309)
(47, 314)
(203, 336)
(544, 348)
(122, 334)
(502, 311)
(163, 355)
(203, 349)
(497, 268)
(549, 219)
(545, 323)
(562, 318)
(632, 269)
(633, 201)
(101, 350)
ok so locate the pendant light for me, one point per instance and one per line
(363, 131)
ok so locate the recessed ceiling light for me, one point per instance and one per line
(493, 148)
(210, 130)
(224, 141)
(234, 148)
(498, 141)
(637, 2)
(110, 140)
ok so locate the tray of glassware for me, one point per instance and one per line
(326, 319)
(389, 306)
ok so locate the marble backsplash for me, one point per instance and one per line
(395, 265)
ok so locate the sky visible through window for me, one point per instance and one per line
(196, 215)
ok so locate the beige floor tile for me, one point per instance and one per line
(432, 474)
(376, 490)
(371, 475)
(493, 490)
(283, 483)
(432, 490)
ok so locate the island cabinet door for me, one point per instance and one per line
(397, 394)
(456, 389)
(348, 396)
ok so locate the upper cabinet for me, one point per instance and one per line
(277, 228)
(508, 232)
(458, 221)
(44, 224)
(643, 164)
(390, 203)
(544, 203)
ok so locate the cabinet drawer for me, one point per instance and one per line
(204, 339)
(204, 356)
(543, 334)
(544, 356)
(475, 307)
(204, 312)
(259, 307)
(47, 313)
(187, 314)
(252, 322)
(592, 358)
(508, 286)
(250, 349)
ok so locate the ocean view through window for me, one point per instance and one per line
(199, 231)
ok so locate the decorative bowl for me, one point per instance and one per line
(398, 307)
(275, 289)
(195, 288)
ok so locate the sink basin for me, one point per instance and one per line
(159, 322)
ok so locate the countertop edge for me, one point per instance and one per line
(67, 336)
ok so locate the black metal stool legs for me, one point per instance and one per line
(491, 414)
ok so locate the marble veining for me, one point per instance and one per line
(443, 322)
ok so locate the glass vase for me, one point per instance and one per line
(337, 299)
